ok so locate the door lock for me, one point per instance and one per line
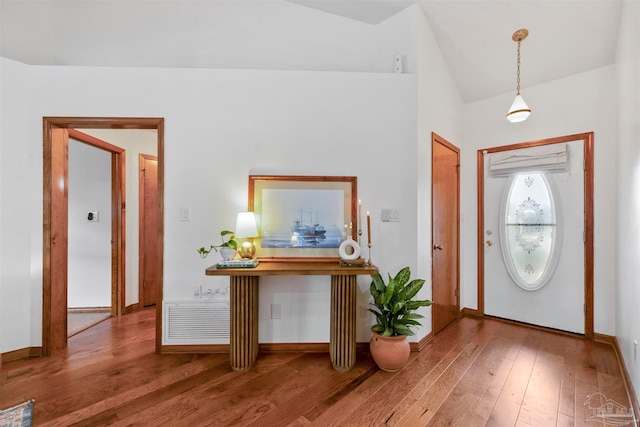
(489, 243)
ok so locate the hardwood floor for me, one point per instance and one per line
(476, 372)
(78, 321)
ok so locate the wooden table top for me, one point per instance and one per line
(294, 268)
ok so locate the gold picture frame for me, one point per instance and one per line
(302, 218)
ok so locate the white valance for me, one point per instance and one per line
(544, 158)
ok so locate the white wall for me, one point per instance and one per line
(89, 242)
(19, 324)
(581, 103)
(627, 292)
(223, 125)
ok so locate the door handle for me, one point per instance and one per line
(437, 247)
(489, 243)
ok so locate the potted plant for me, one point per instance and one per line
(228, 248)
(394, 309)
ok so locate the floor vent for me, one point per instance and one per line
(196, 322)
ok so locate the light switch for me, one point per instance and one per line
(390, 215)
(185, 214)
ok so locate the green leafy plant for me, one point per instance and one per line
(394, 307)
(230, 243)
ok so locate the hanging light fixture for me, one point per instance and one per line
(519, 110)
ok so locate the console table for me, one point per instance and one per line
(244, 307)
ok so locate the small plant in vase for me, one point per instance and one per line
(228, 248)
(394, 309)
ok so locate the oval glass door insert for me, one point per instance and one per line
(530, 230)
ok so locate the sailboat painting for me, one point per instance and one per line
(302, 218)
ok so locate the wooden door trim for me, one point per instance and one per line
(437, 139)
(55, 223)
(141, 158)
(50, 311)
(588, 140)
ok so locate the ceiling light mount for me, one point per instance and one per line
(520, 35)
(519, 110)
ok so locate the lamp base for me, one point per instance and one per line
(247, 250)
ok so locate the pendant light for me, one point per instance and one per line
(519, 110)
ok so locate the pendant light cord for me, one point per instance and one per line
(518, 71)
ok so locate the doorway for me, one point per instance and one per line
(56, 131)
(445, 205)
(535, 249)
(92, 279)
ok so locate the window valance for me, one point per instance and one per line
(544, 158)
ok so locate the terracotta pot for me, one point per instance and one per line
(390, 353)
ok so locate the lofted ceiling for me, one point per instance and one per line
(566, 37)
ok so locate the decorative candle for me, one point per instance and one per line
(359, 214)
(368, 227)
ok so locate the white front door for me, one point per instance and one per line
(549, 294)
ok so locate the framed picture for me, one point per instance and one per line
(303, 217)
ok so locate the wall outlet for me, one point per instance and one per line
(196, 291)
(92, 216)
(276, 311)
(398, 66)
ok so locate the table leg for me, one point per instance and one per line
(244, 322)
(342, 345)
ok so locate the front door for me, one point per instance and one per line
(445, 204)
(534, 242)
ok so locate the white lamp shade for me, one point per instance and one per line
(519, 110)
(246, 225)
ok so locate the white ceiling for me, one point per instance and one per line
(565, 36)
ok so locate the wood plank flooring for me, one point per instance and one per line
(476, 372)
(78, 321)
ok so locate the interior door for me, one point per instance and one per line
(445, 232)
(148, 229)
(560, 302)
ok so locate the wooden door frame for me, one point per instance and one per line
(55, 164)
(141, 158)
(587, 139)
(437, 139)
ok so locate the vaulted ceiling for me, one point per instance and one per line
(566, 37)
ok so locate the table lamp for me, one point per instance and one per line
(246, 228)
